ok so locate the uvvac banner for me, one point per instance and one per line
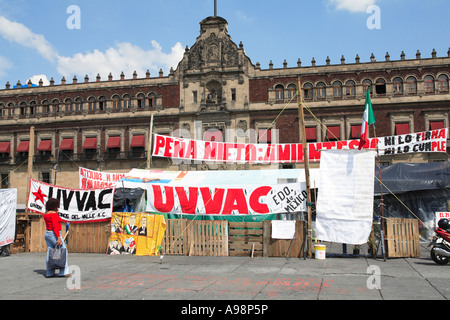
(265, 199)
(76, 205)
(136, 233)
(227, 152)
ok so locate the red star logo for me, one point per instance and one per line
(39, 196)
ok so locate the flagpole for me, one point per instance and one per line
(381, 197)
(149, 152)
(301, 121)
(381, 187)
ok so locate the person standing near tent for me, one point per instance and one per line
(53, 234)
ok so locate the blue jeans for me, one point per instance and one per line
(51, 239)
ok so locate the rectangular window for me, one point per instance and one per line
(311, 134)
(264, 136)
(194, 96)
(402, 128)
(333, 133)
(4, 180)
(434, 125)
(45, 177)
(233, 94)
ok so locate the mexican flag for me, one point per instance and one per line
(368, 119)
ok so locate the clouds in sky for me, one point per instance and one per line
(5, 64)
(352, 5)
(123, 56)
(20, 34)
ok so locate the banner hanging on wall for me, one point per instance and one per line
(76, 205)
(136, 233)
(8, 205)
(225, 152)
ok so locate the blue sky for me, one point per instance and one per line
(118, 35)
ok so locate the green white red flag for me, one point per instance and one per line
(368, 119)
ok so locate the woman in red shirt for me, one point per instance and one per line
(53, 234)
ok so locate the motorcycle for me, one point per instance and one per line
(440, 246)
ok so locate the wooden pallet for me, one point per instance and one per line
(402, 238)
(207, 237)
(246, 239)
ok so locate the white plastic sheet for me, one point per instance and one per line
(345, 199)
(8, 205)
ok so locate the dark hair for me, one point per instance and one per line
(52, 204)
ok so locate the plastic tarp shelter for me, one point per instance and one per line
(414, 191)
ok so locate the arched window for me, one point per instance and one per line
(398, 85)
(116, 102)
(126, 101)
(380, 87)
(429, 84)
(308, 92)
(2, 110)
(140, 101)
(69, 105)
(367, 84)
(411, 85)
(92, 104)
(321, 91)
(337, 89)
(23, 108)
(78, 104)
(152, 100)
(350, 90)
(32, 107)
(55, 106)
(279, 92)
(443, 83)
(291, 91)
(11, 107)
(45, 107)
(102, 103)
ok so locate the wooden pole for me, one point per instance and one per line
(301, 121)
(29, 176)
(149, 151)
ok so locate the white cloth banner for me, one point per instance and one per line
(283, 229)
(345, 200)
(91, 179)
(227, 152)
(264, 199)
(76, 205)
(8, 205)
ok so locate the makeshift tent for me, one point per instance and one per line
(128, 199)
(414, 191)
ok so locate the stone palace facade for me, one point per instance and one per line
(103, 123)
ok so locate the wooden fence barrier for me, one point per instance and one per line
(246, 239)
(293, 248)
(208, 237)
(82, 238)
(183, 237)
(196, 237)
(402, 238)
(175, 238)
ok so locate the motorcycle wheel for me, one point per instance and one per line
(439, 259)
